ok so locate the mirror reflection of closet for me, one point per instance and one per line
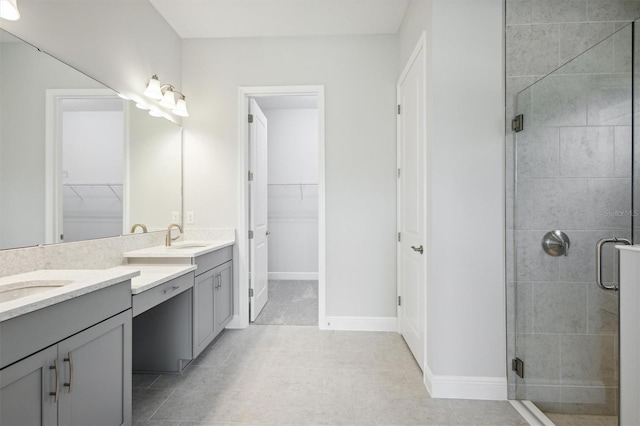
(40, 183)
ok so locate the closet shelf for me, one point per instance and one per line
(292, 184)
(73, 186)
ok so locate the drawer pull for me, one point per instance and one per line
(174, 288)
(55, 394)
(70, 361)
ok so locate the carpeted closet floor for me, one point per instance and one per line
(290, 303)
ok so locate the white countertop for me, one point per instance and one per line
(634, 247)
(84, 281)
(175, 252)
(153, 275)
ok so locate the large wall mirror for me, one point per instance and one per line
(76, 161)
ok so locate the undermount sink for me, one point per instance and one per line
(188, 246)
(21, 289)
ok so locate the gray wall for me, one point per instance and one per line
(360, 148)
(571, 153)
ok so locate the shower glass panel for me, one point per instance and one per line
(573, 174)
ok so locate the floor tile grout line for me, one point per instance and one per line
(163, 402)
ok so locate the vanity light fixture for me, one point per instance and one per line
(153, 88)
(9, 10)
(169, 98)
(181, 107)
(166, 94)
(155, 113)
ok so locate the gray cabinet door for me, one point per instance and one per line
(203, 306)
(25, 388)
(96, 375)
(223, 309)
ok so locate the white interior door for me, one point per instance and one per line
(412, 206)
(258, 224)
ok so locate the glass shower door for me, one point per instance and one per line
(573, 187)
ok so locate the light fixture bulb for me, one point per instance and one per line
(155, 113)
(168, 100)
(153, 88)
(181, 108)
(9, 10)
(142, 106)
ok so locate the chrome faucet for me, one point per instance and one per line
(169, 238)
(139, 225)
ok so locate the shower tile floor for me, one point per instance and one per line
(290, 303)
(283, 375)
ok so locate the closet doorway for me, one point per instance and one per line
(284, 191)
(85, 162)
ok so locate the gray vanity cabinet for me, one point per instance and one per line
(24, 391)
(212, 297)
(203, 294)
(223, 298)
(82, 380)
(95, 386)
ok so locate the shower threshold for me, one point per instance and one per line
(532, 414)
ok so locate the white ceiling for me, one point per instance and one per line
(281, 18)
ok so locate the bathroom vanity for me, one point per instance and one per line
(178, 316)
(65, 355)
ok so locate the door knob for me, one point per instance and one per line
(418, 249)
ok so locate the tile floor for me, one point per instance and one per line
(580, 420)
(282, 375)
(290, 302)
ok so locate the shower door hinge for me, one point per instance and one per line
(251, 235)
(399, 109)
(399, 236)
(250, 118)
(398, 173)
(250, 292)
(517, 365)
(399, 300)
(250, 176)
(517, 124)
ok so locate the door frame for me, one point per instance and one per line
(53, 157)
(421, 48)
(241, 319)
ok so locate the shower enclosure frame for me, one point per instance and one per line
(527, 279)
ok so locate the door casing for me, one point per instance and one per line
(241, 257)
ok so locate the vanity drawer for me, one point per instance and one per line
(146, 300)
(209, 261)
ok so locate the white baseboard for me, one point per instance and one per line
(297, 276)
(466, 387)
(360, 323)
(235, 322)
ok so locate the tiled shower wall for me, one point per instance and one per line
(562, 319)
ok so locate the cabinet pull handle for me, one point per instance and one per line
(55, 394)
(174, 288)
(70, 361)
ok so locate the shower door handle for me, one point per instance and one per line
(599, 246)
